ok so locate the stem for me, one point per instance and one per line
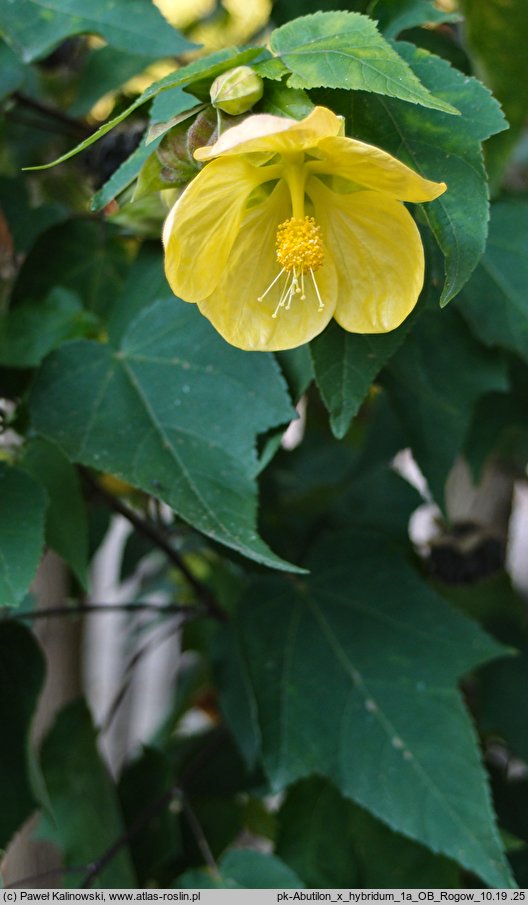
(159, 539)
(53, 113)
(82, 608)
(143, 818)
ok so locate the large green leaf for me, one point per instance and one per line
(346, 50)
(495, 302)
(345, 364)
(443, 148)
(331, 842)
(158, 412)
(205, 68)
(66, 523)
(22, 511)
(82, 799)
(435, 381)
(381, 715)
(35, 27)
(21, 679)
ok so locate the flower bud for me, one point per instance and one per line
(237, 90)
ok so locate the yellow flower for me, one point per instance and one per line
(291, 224)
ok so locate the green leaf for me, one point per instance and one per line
(494, 302)
(66, 523)
(332, 843)
(441, 148)
(286, 10)
(158, 413)
(145, 283)
(21, 679)
(345, 365)
(345, 50)
(28, 332)
(35, 27)
(92, 262)
(22, 514)
(394, 16)
(12, 71)
(143, 781)
(243, 869)
(279, 100)
(82, 799)
(435, 381)
(125, 174)
(497, 35)
(205, 68)
(25, 219)
(502, 695)
(390, 663)
(105, 70)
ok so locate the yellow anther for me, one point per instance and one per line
(299, 250)
(299, 245)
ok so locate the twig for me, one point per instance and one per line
(53, 113)
(198, 833)
(131, 665)
(80, 609)
(141, 820)
(144, 818)
(161, 541)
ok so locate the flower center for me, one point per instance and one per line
(299, 245)
(299, 251)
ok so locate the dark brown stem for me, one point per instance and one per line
(141, 820)
(129, 669)
(199, 835)
(75, 125)
(159, 539)
(81, 609)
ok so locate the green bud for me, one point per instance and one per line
(175, 151)
(237, 90)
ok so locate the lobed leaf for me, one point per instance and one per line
(158, 412)
(386, 724)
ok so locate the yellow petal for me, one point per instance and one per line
(234, 309)
(202, 226)
(378, 254)
(375, 169)
(277, 134)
